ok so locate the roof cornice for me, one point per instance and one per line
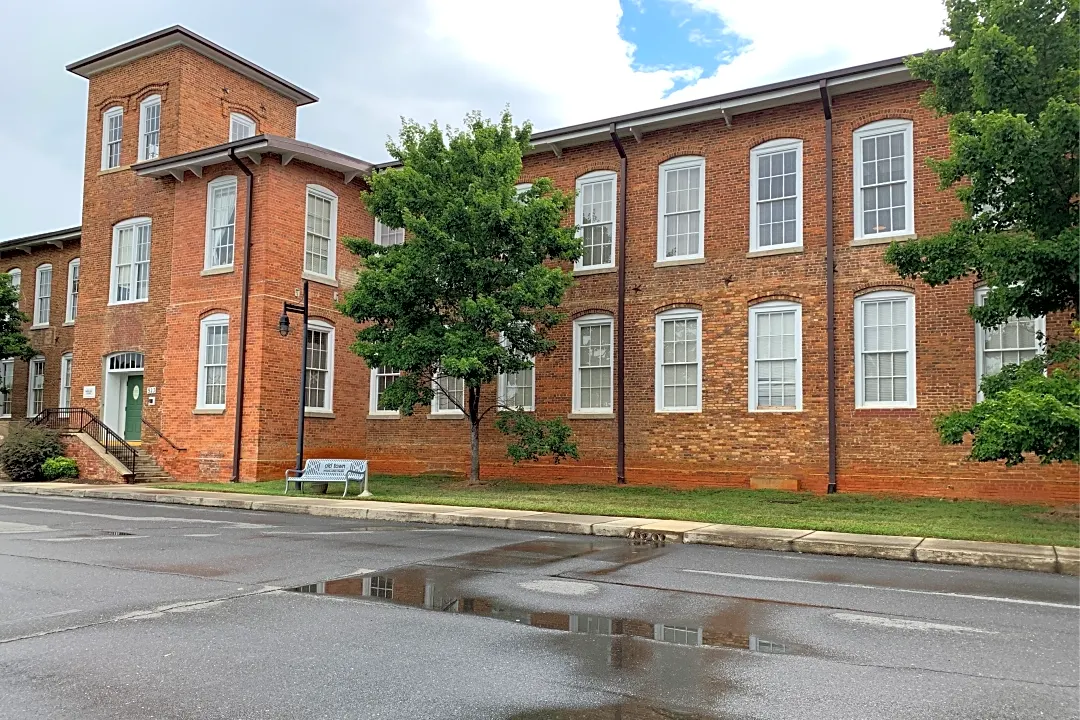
(56, 238)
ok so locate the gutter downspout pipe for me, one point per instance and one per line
(620, 316)
(830, 289)
(245, 284)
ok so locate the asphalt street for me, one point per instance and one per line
(112, 609)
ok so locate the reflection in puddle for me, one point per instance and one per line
(624, 711)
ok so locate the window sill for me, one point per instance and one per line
(208, 411)
(775, 251)
(774, 411)
(325, 414)
(445, 416)
(117, 303)
(384, 416)
(111, 171)
(223, 270)
(579, 272)
(875, 408)
(521, 409)
(882, 240)
(678, 411)
(321, 279)
(69, 323)
(675, 262)
(591, 416)
(40, 327)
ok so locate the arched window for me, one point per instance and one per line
(213, 361)
(42, 295)
(775, 356)
(595, 217)
(319, 381)
(35, 387)
(16, 283)
(680, 215)
(150, 128)
(776, 195)
(220, 223)
(885, 350)
(240, 126)
(593, 364)
(130, 276)
(678, 361)
(884, 187)
(66, 361)
(320, 239)
(72, 311)
(112, 135)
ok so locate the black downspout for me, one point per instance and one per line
(620, 317)
(245, 283)
(830, 305)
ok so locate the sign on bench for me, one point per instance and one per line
(324, 470)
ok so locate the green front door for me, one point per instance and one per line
(133, 408)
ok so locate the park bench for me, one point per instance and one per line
(323, 470)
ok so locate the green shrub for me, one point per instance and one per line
(60, 467)
(25, 449)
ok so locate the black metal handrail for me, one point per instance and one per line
(84, 421)
(161, 435)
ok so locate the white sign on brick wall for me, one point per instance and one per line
(89, 391)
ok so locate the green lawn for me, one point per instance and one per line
(961, 520)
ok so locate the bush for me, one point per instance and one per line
(24, 451)
(60, 467)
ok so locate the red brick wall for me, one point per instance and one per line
(92, 469)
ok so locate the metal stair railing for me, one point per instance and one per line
(84, 421)
(158, 432)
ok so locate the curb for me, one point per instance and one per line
(1036, 558)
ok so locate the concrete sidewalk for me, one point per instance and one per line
(1039, 558)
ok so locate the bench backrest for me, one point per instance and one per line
(328, 468)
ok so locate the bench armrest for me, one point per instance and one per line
(293, 472)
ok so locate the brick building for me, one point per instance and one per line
(202, 215)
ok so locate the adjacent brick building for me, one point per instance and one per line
(725, 288)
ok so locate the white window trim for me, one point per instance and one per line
(30, 385)
(911, 365)
(68, 360)
(242, 119)
(322, 326)
(148, 102)
(379, 226)
(373, 399)
(37, 297)
(16, 282)
(883, 127)
(585, 180)
(331, 262)
(71, 309)
(751, 393)
(1040, 327)
(658, 632)
(8, 371)
(523, 188)
(592, 320)
(678, 163)
(215, 320)
(133, 223)
(115, 111)
(208, 252)
(658, 360)
(503, 385)
(452, 411)
(768, 148)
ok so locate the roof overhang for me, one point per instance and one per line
(180, 36)
(253, 148)
(56, 238)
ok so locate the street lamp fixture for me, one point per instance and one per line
(283, 324)
(283, 330)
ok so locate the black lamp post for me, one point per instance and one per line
(283, 329)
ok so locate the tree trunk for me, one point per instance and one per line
(474, 426)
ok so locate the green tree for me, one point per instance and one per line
(1009, 84)
(468, 294)
(13, 344)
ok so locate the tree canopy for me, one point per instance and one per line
(13, 343)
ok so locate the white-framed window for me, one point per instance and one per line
(775, 356)
(677, 634)
(523, 188)
(381, 377)
(448, 390)
(240, 126)
(150, 128)
(378, 586)
(678, 361)
(518, 389)
(72, 307)
(213, 361)
(65, 380)
(220, 222)
(387, 236)
(35, 387)
(595, 217)
(319, 241)
(112, 135)
(680, 210)
(16, 283)
(593, 353)
(42, 295)
(319, 384)
(885, 350)
(130, 281)
(1011, 343)
(7, 381)
(884, 187)
(776, 195)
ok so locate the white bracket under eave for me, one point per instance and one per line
(55, 243)
(26, 249)
(727, 118)
(638, 135)
(177, 174)
(287, 157)
(350, 176)
(255, 157)
(196, 170)
(556, 149)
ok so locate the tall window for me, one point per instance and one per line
(131, 261)
(150, 128)
(381, 377)
(678, 361)
(42, 295)
(65, 380)
(595, 211)
(387, 236)
(35, 392)
(240, 126)
(885, 350)
(776, 356)
(7, 382)
(319, 384)
(776, 195)
(592, 364)
(16, 284)
(220, 222)
(445, 399)
(72, 311)
(1011, 343)
(681, 211)
(112, 134)
(213, 361)
(884, 191)
(321, 231)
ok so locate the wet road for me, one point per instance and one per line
(111, 609)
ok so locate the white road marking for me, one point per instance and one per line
(136, 518)
(202, 534)
(858, 586)
(902, 624)
(91, 539)
(13, 527)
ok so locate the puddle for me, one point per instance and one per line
(539, 553)
(623, 711)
